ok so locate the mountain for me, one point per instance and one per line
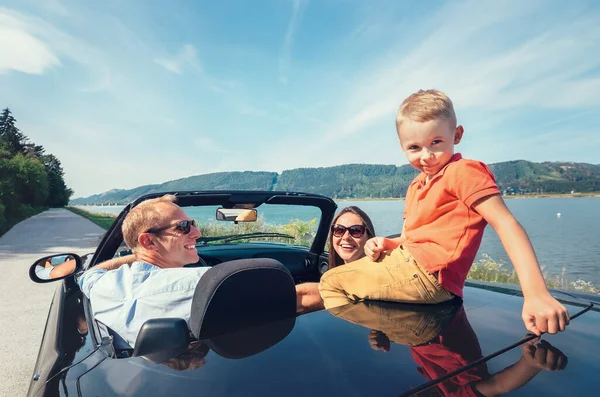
(547, 177)
(368, 181)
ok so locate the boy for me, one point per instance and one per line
(446, 210)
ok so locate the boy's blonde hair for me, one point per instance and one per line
(142, 217)
(426, 105)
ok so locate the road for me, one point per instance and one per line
(25, 304)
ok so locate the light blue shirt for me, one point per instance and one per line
(124, 298)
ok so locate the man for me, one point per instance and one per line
(162, 238)
(47, 270)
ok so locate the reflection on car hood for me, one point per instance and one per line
(344, 352)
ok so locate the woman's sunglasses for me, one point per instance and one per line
(355, 231)
(182, 226)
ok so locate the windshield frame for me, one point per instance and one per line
(113, 238)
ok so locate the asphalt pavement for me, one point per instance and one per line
(25, 304)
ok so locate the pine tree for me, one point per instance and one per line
(11, 138)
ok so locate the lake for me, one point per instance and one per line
(571, 240)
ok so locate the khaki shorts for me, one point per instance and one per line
(395, 276)
(406, 324)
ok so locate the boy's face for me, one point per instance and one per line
(430, 145)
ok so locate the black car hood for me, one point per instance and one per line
(342, 352)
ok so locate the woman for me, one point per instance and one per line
(349, 232)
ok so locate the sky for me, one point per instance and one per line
(128, 93)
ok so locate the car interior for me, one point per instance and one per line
(162, 338)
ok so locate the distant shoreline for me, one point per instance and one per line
(507, 196)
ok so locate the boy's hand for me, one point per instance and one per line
(543, 355)
(379, 341)
(373, 247)
(543, 313)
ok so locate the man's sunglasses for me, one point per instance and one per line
(355, 231)
(182, 226)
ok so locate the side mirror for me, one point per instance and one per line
(54, 267)
(236, 215)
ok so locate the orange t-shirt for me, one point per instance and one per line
(441, 230)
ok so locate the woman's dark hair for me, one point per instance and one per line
(334, 258)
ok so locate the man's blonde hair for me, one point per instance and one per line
(426, 105)
(143, 217)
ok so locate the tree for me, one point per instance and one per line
(11, 138)
(34, 150)
(52, 164)
(31, 180)
(58, 193)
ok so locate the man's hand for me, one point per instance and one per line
(379, 341)
(374, 246)
(543, 356)
(543, 313)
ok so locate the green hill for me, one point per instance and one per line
(369, 181)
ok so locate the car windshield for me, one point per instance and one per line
(282, 223)
(291, 224)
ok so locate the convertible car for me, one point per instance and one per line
(244, 337)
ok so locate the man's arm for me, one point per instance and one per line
(115, 263)
(89, 278)
(63, 269)
(541, 312)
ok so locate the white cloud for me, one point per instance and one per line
(286, 51)
(466, 57)
(187, 55)
(33, 45)
(21, 51)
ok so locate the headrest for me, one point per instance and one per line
(239, 294)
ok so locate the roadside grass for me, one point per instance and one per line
(303, 232)
(102, 220)
(484, 269)
(24, 211)
(487, 269)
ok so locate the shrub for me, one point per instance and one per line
(487, 269)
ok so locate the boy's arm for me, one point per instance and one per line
(507, 380)
(541, 312)
(376, 245)
(388, 244)
(535, 358)
(391, 243)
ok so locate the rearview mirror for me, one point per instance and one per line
(54, 267)
(236, 215)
